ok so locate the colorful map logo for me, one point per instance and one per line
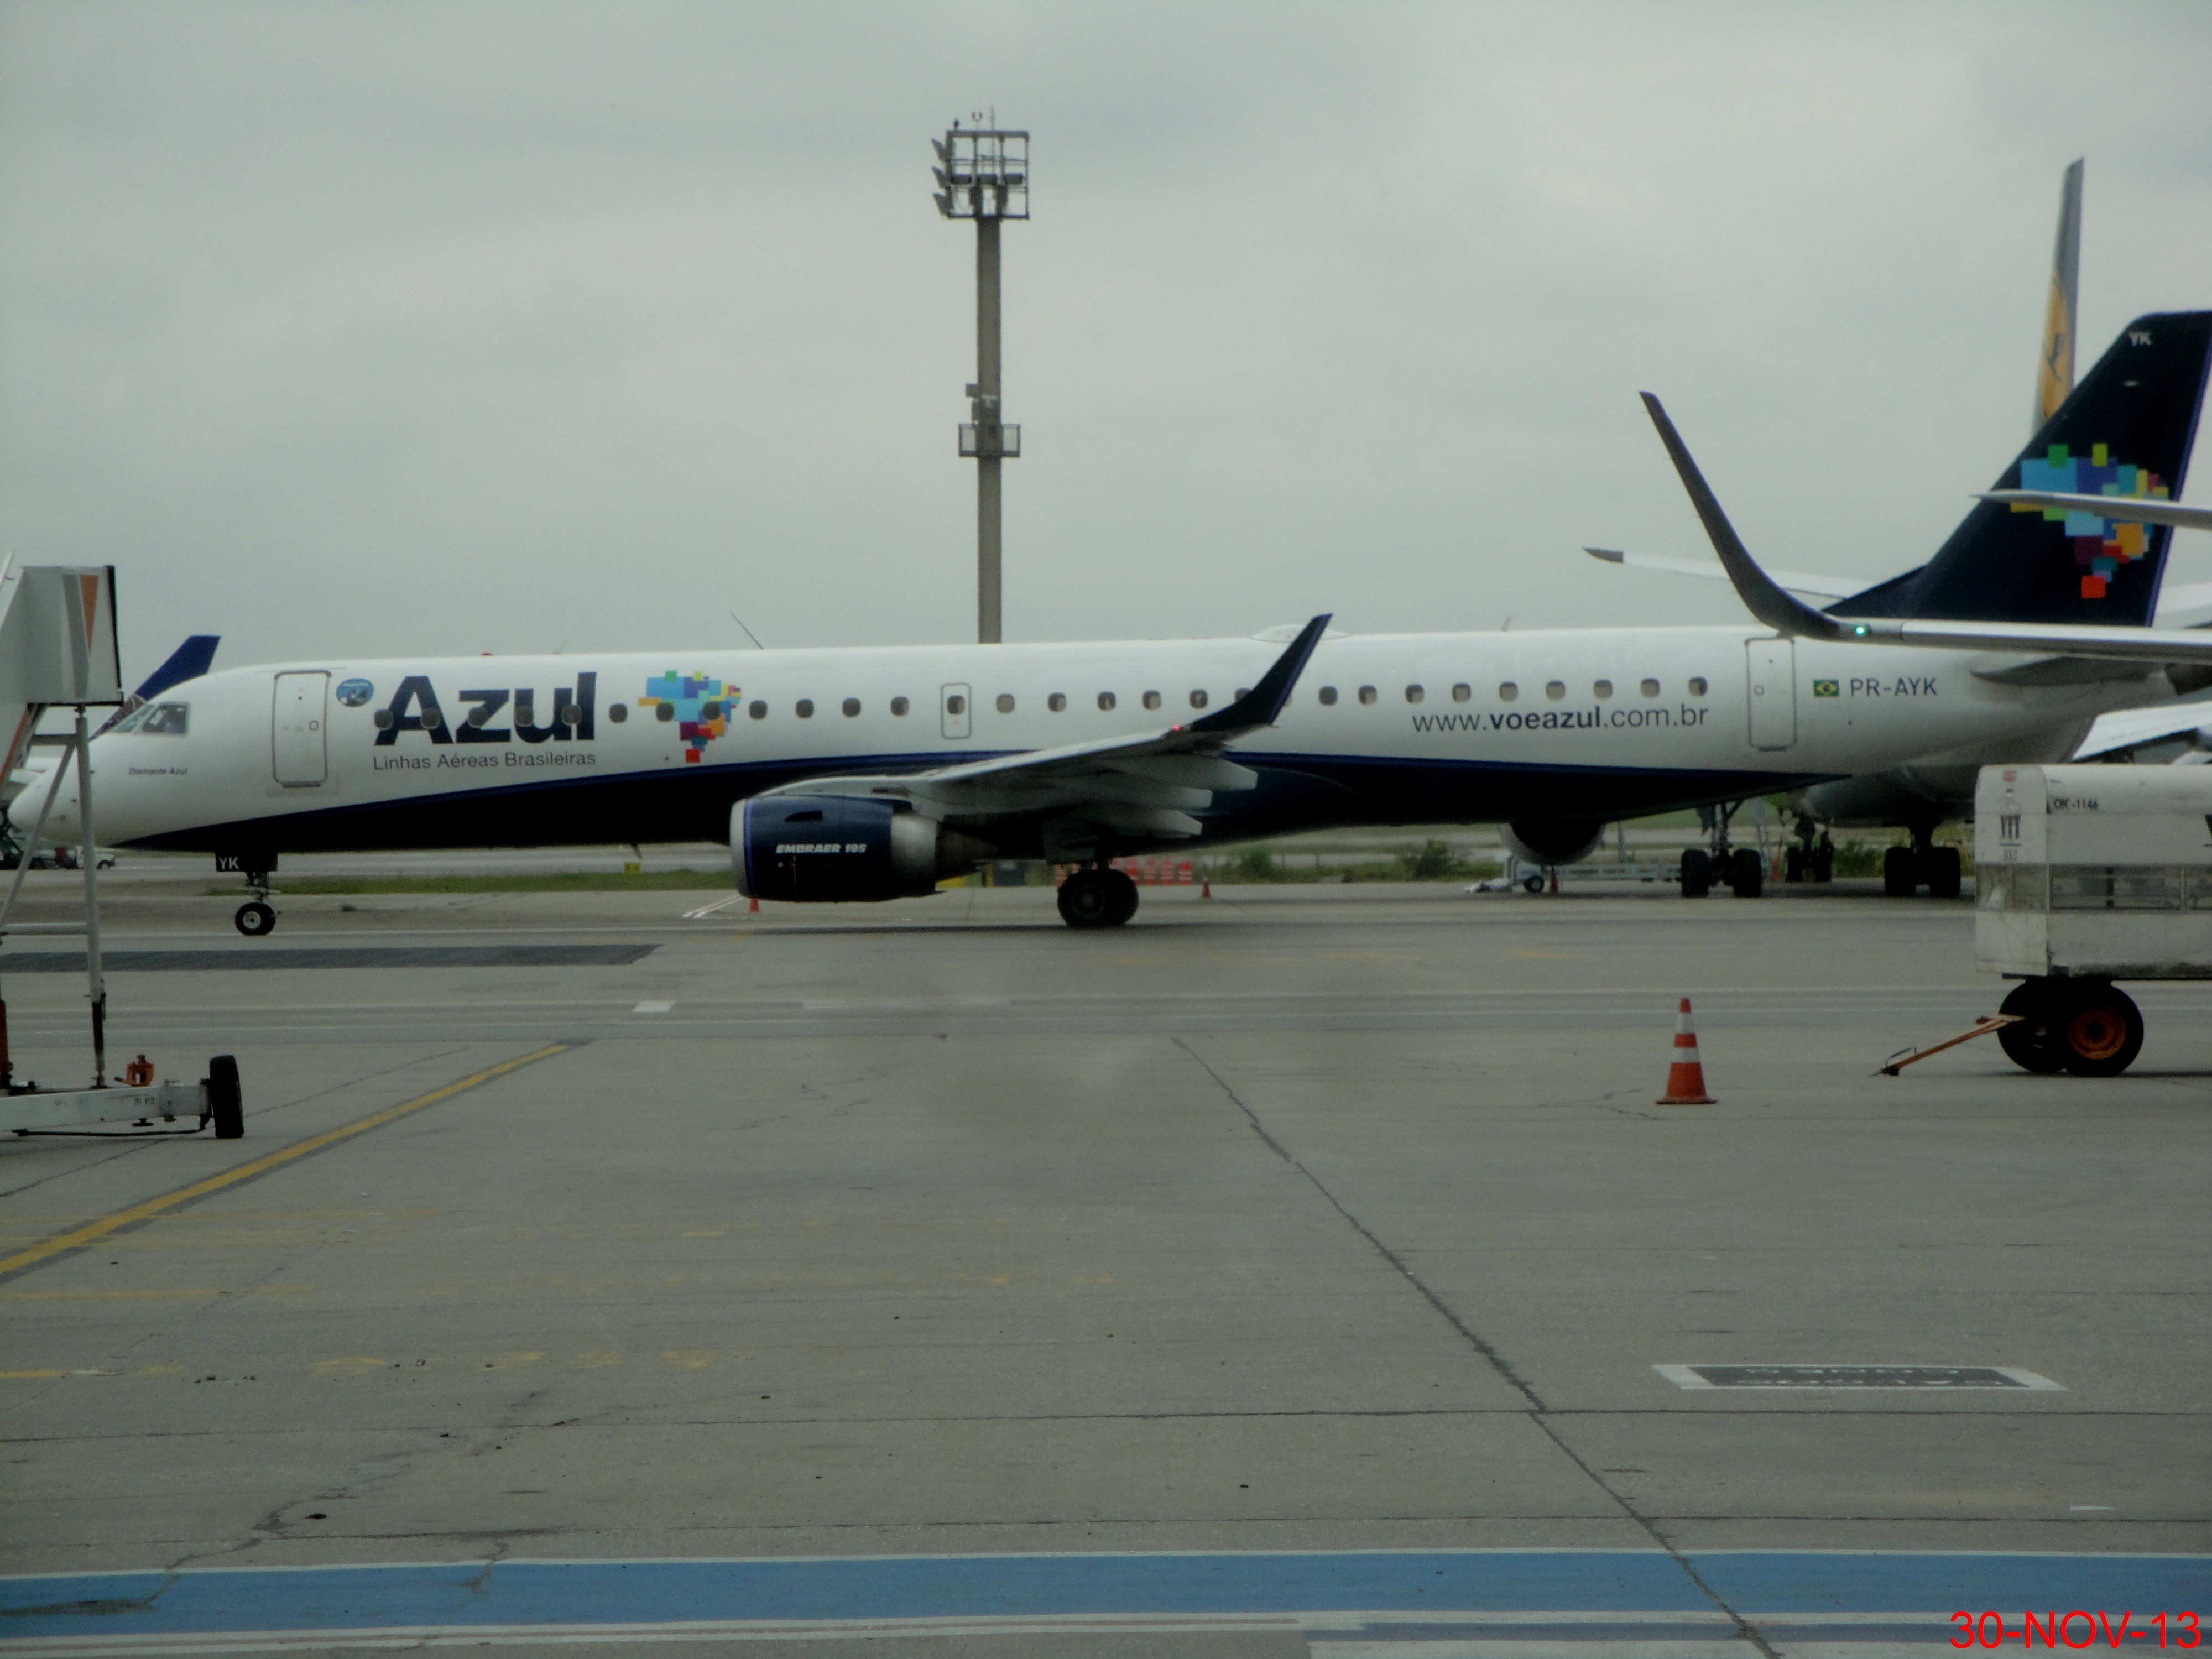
(701, 705)
(2101, 545)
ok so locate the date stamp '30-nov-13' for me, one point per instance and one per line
(2078, 1629)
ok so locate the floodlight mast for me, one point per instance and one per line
(983, 173)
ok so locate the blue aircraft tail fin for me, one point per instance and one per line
(2125, 430)
(187, 662)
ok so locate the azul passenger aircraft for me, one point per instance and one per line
(871, 774)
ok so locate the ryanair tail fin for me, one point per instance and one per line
(2125, 430)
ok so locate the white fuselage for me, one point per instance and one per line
(1386, 728)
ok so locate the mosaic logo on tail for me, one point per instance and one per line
(2101, 545)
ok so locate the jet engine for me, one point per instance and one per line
(1553, 840)
(823, 850)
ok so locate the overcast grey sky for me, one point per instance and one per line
(413, 328)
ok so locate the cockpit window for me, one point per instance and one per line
(167, 719)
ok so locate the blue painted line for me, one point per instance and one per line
(588, 1593)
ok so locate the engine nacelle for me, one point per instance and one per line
(1553, 840)
(830, 850)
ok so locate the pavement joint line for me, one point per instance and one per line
(1744, 1631)
(93, 1231)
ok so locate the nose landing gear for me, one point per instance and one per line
(256, 917)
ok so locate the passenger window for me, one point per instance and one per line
(852, 706)
(1508, 691)
(381, 719)
(1152, 700)
(1198, 700)
(709, 710)
(1005, 704)
(804, 708)
(1056, 701)
(898, 705)
(618, 712)
(1243, 692)
(1328, 697)
(664, 711)
(758, 710)
(1555, 689)
(1601, 688)
(1105, 699)
(954, 704)
(1649, 688)
(1697, 685)
(1415, 694)
(1367, 694)
(572, 713)
(1462, 693)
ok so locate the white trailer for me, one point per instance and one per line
(2084, 875)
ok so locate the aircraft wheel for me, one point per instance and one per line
(1125, 897)
(1087, 899)
(1697, 873)
(2032, 1045)
(1747, 874)
(1943, 872)
(254, 919)
(2099, 1030)
(1533, 884)
(226, 1102)
(1900, 872)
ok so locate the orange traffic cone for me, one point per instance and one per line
(1686, 1077)
(754, 909)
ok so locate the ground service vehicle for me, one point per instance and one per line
(2084, 875)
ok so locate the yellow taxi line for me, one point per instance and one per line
(93, 1231)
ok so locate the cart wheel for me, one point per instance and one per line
(2100, 1030)
(255, 919)
(2032, 1045)
(226, 1102)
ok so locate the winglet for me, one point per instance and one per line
(1610, 554)
(1761, 595)
(1264, 702)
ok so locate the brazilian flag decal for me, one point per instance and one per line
(1826, 689)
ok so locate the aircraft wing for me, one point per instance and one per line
(2128, 509)
(1148, 784)
(2134, 728)
(1797, 581)
(1768, 601)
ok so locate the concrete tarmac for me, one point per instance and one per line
(1326, 1220)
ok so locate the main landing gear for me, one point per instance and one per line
(1097, 897)
(2089, 1027)
(1905, 870)
(1812, 856)
(1740, 868)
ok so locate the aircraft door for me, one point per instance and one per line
(953, 702)
(1772, 688)
(296, 737)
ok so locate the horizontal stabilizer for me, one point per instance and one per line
(2117, 509)
(1797, 581)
